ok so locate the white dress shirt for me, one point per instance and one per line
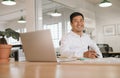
(74, 45)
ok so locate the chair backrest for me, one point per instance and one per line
(104, 48)
(110, 49)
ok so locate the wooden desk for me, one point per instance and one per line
(114, 52)
(54, 70)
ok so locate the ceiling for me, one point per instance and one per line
(48, 5)
(13, 12)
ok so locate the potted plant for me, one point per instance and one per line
(5, 48)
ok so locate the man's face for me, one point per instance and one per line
(77, 24)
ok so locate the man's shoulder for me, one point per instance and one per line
(86, 35)
(68, 34)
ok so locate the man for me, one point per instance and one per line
(76, 43)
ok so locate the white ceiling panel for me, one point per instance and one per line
(13, 12)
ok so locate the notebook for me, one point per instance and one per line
(38, 46)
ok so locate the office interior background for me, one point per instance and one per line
(102, 24)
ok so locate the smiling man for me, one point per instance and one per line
(76, 43)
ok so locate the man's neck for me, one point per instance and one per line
(79, 33)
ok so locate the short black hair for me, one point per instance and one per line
(74, 14)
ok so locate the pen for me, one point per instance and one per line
(88, 48)
(97, 55)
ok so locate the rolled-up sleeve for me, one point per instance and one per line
(95, 47)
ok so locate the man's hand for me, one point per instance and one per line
(90, 54)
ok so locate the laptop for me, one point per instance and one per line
(38, 46)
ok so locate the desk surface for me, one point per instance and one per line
(55, 70)
(114, 52)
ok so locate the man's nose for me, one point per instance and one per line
(79, 23)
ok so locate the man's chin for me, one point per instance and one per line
(79, 30)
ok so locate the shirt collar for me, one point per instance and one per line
(73, 33)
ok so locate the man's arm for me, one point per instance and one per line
(67, 50)
(96, 49)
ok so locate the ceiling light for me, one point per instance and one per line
(21, 20)
(8, 2)
(105, 3)
(55, 13)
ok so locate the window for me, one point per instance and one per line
(56, 31)
(68, 26)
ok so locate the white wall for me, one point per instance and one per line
(2, 26)
(30, 15)
(33, 13)
(114, 40)
(38, 12)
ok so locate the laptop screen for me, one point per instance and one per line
(38, 46)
